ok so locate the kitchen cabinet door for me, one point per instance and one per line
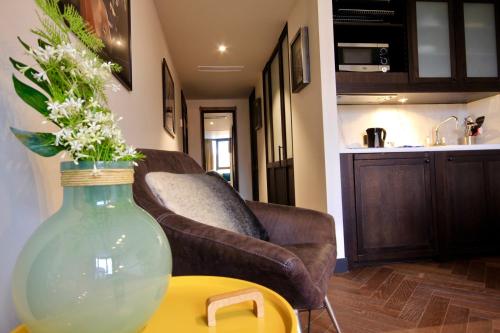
(432, 55)
(394, 208)
(478, 41)
(462, 200)
(492, 168)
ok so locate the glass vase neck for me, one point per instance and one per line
(101, 196)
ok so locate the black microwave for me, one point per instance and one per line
(363, 57)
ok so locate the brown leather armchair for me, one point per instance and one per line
(297, 262)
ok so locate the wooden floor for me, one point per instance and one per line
(426, 297)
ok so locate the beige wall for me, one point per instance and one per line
(30, 190)
(261, 146)
(314, 117)
(307, 123)
(307, 117)
(243, 127)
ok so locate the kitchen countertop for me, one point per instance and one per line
(365, 150)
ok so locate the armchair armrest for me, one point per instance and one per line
(198, 249)
(291, 225)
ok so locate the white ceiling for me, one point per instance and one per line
(218, 121)
(194, 29)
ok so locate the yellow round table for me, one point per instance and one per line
(184, 309)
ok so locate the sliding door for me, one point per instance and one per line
(278, 119)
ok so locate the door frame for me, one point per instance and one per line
(284, 162)
(254, 144)
(232, 110)
(184, 119)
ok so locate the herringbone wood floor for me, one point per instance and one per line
(425, 297)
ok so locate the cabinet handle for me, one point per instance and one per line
(427, 161)
(451, 159)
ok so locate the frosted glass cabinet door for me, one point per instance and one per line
(433, 39)
(480, 39)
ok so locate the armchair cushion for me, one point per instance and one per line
(205, 198)
(200, 249)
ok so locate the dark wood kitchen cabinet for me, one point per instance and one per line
(454, 42)
(391, 206)
(467, 187)
(415, 205)
(435, 46)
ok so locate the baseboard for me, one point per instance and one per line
(341, 266)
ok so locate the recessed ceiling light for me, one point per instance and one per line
(222, 48)
(403, 100)
(211, 123)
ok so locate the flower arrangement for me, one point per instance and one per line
(73, 80)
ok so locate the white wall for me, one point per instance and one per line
(405, 124)
(29, 185)
(413, 124)
(490, 108)
(243, 128)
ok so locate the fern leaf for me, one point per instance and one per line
(82, 29)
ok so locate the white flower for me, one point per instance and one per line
(115, 87)
(41, 76)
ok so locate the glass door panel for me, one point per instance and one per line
(480, 39)
(276, 109)
(287, 94)
(433, 39)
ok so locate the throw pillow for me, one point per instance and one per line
(205, 198)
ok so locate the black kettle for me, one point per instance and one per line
(376, 137)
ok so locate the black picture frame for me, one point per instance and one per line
(168, 88)
(299, 50)
(116, 35)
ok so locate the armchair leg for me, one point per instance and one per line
(299, 325)
(329, 309)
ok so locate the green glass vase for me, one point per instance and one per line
(100, 264)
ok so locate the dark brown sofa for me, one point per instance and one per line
(297, 262)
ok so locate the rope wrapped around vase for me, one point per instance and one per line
(97, 177)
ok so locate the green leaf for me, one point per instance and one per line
(31, 96)
(30, 74)
(42, 43)
(26, 46)
(41, 143)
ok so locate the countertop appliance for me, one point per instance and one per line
(363, 57)
(376, 137)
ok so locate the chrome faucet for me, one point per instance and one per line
(438, 141)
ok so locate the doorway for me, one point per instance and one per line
(219, 142)
(278, 120)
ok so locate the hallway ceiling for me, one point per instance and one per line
(195, 28)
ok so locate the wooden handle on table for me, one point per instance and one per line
(214, 303)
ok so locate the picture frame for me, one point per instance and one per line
(168, 88)
(115, 32)
(299, 50)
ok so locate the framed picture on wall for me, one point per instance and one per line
(168, 100)
(110, 20)
(301, 74)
